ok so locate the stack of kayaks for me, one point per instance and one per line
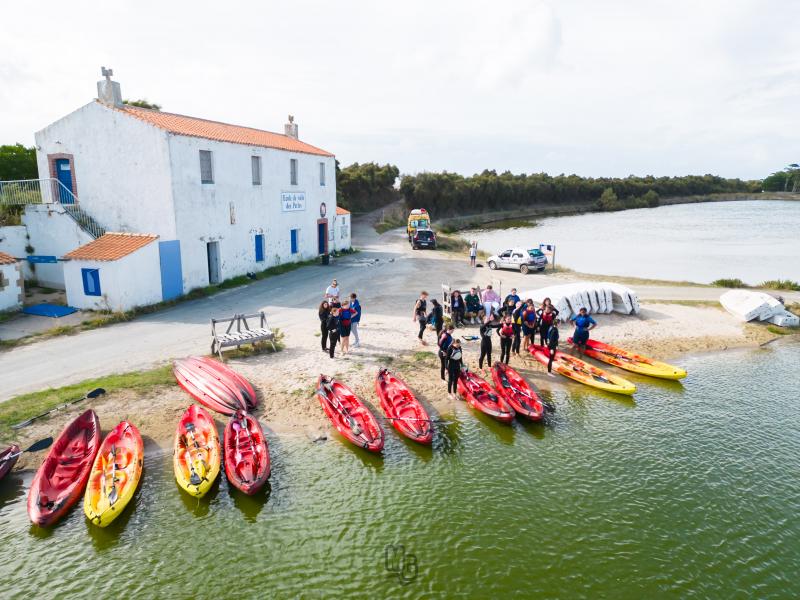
(214, 385)
(115, 474)
(402, 408)
(8, 458)
(480, 396)
(630, 361)
(517, 392)
(61, 478)
(581, 371)
(196, 459)
(349, 415)
(247, 463)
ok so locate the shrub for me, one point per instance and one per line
(608, 201)
(781, 284)
(730, 283)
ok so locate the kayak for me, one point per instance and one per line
(402, 408)
(246, 453)
(349, 415)
(480, 396)
(196, 459)
(583, 372)
(60, 480)
(115, 474)
(8, 458)
(630, 361)
(214, 385)
(517, 392)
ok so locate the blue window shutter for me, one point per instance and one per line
(259, 247)
(91, 282)
(294, 241)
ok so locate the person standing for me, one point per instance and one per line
(486, 332)
(473, 253)
(529, 323)
(356, 306)
(345, 325)
(444, 345)
(472, 302)
(332, 293)
(436, 318)
(506, 333)
(333, 330)
(546, 316)
(324, 313)
(552, 346)
(420, 314)
(583, 325)
(516, 318)
(457, 308)
(455, 362)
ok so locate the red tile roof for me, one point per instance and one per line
(7, 259)
(342, 211)
(221, 132)
(111, 246)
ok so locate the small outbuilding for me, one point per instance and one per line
(341, 229)
(11, 286)
(117, 271)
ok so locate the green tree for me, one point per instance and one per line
(609, 200)
(17, 162)
(651, 198)
(364, 187)
(142, 103)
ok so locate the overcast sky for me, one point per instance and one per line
(588, 87)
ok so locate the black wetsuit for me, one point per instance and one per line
(333, 333)
(552, 345)
(323, 327)
(455, 360)
(515, 345)
(422, 310)
(444, 345)
(486, 344)
(544, 323)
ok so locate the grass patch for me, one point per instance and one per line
(781, 284)
(26, 406)
(793, 308)
(777, 330)
(390, 222)
(702, 303)
(729, 283)
(451, 243)
(385, 359)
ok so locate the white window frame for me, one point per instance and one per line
(294, 171)
(210, 154)
(255, 169)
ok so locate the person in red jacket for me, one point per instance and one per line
(506, 333)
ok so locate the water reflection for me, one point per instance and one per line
(250, 506)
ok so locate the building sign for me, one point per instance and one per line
(34, 259)
(323, 210)
(291, 201)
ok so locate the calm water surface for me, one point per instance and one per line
(752, 240)
(689, 491)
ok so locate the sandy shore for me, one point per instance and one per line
(285, 381)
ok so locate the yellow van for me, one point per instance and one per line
(417, 219)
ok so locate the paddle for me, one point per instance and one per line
(194, 478)
(415, 419)
(112, 495)
(354, 426)
(93, 394)
(40, 445)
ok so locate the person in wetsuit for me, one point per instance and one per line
(333, 330)
(583, 325)
(552, 344)
(546, 316)
(516, 318)
(506, 333)
(324, 313)
(455, 362)
(485, 333)
(529, 323)
(421, 314)
(445, 339)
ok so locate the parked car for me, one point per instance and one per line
(519, 259)
(423, 238)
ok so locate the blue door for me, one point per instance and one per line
(322, 237)
(259, 247)
(64, 175)
(294, 241)
(169, 254)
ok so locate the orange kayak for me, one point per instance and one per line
(197, 456)
(635, 363)
(583, 372)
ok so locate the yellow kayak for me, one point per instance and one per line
(197, 455)
(583, 372)
(631, 362)
(115, 474)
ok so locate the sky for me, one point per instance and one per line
(606, 88)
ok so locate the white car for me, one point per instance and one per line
(519, 259)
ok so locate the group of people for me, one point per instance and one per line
(338, 320)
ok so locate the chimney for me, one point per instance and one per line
(290, 129)
(108, 92)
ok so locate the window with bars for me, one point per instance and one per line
(293, 171)
(322, 173)
(206, 167)
(255, 164)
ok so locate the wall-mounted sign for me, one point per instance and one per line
(37, 259)
(323, 210)
(291, 201)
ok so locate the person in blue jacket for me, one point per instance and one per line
(583, 325)
(356, 306)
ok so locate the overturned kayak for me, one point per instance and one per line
(480, 396)
(402, 408)
(214, 385)
(60, 480)
(8, 458)
(630, 361)
(115, 474)
(247, 463)
(196, 458)
(517, 392)
(349, 415)
(583, 372)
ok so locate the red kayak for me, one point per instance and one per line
(8, 458)
(246, 453)
(349, 415)
(517, 392)
(60, 480)
(214, 385)
(402, 408)
(480, 396)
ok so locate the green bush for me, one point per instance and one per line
(608, 201)
(781, 284)
(729, 283)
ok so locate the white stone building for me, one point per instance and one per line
(223, 200)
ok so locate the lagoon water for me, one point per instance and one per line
(752, 240)
(689, 491)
